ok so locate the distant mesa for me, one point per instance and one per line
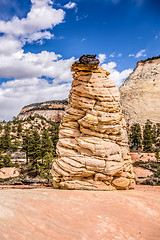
(51, 110)
(140, 93)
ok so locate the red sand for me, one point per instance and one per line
(48, 214)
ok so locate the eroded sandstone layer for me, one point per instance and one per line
(93, 145)
(140, 93)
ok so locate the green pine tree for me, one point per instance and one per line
(47, 144)
(157, 153)
(136, 136)
(147, 137)
(25, 145)
(34, 151)
(54, 133)
(19, 129)
(46, 167)
(154, 134)
(6, 161)
(5, 140)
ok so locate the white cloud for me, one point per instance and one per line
(112, 55)
(30, 70)
(70, 5)
(17, 93)
(119, 55)
(79, 18)
(131, 55)
(25, 65)
(41, 17)
(116, 76)
(141, 53)
(83, 39)
(101, 57)
(9, 45)
(28, 87)
(37, 37)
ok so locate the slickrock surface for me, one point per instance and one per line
(51, 110)
(144, 157)
(140, 93)
(9, 172)
(93, 146)
(50, 214)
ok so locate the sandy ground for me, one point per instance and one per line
(48, 214)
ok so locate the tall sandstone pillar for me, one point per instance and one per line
(93, 145)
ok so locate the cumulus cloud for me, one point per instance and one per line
(30, 71)
(101, 57)
(37, 37)
(9, 45)
(41, 17)
(70, 5)
(16, 94)
(25, 65)
(116, 76)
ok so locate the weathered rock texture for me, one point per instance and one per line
(9, 172)
(51, 110)
(140, 93)
(92, 148)
(50, 214)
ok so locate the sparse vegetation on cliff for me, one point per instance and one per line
(150, 59)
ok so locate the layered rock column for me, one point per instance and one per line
(93, 145)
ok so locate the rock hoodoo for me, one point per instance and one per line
(140, 93)
(93, 146)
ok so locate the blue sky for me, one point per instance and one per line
(40, 39)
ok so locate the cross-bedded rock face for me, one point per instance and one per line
(93, 146)
(140, 93)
